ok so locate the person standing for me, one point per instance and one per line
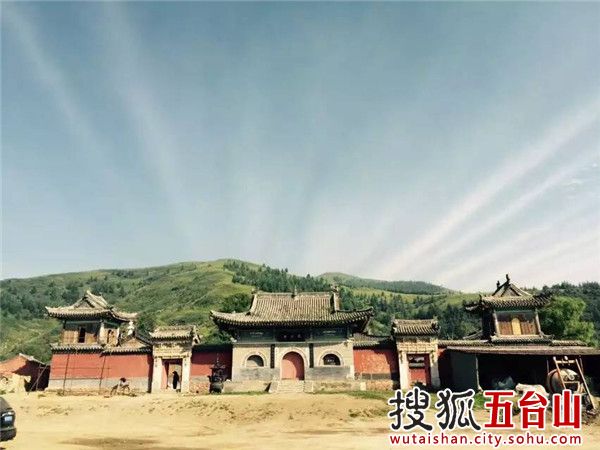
(175, 380)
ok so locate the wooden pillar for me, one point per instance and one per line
(496, 324)
(101, 333)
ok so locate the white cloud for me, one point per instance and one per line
(502, 215)
(508, 254)
(156, 136)
(514, 169)
(53, 78)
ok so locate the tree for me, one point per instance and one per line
(236, 303)
(71, 294)
(563, 318)
(146, 322)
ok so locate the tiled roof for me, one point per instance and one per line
(520, 339)
(77, 348)
(31, 359)
(508, 296)
(567, 342)
(549, 350)
(408, 327)
(174, 332)
(90, 306)
(127, 349)
(136, 343)
(461, 343)
(362, 340)
(294, 309)
(475, 335)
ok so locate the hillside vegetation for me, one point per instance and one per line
(402, 287)
(186, 292)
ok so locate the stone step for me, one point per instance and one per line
(287, 387)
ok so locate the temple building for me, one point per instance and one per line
(305, 342)
(90, 322)
(98, 345)
(511, 343)
(292, 336)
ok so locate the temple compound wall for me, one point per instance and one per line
(204, 358)
(99, 371)
(301, 338)
(294, 342)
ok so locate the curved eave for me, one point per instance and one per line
(359, 318)
(187, 337)
(501, 304)
(77, 348)
(126, 350)
(74, 314)
(415, 334)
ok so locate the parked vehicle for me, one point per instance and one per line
(7, 421)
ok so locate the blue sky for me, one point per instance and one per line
(444, 142)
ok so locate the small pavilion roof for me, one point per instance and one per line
(286, 309)
(364, 340)
(507, 296)
(90, 306)
(134, 343)
(175, 333)
(415, 327)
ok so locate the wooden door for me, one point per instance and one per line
(292, 367)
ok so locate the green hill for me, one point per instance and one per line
(404, 287)
(185, 292)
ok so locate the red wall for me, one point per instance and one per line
(203, 360)
(89, 365)
(374, 360)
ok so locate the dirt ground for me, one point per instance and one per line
(169, 421)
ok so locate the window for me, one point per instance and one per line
(255, 361)
(331, 360)
(516, 323)
(81, 335)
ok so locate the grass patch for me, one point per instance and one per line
(243, 393)
(371, 395)
(367, 395)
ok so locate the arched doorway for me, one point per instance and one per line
(292, 367)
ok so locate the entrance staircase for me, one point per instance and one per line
(290, 387)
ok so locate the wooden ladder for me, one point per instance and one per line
(40, 372)
(575, 365)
